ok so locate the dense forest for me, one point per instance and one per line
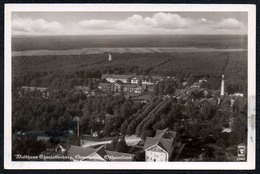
(128, 117)
(114, 114)
(71, 70)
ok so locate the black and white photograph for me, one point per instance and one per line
(129, 84)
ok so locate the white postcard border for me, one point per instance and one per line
(250, 164)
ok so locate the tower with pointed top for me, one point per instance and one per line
(222, 91)
(109, 57)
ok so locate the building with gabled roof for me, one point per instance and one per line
(118, 156)
(97, 155)
(202, 83)
(165, 134)
(114, 77)
(158, 150)
(132, 78)
(133, 88)
(32, 88)
(83, 89)
(78, 153)
(178, 92)
(44, 91)
(118, 86)
(160, 147)
(129, 83)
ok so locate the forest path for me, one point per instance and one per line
(160, 64)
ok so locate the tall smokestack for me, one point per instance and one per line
(109, 57)
(222, 91)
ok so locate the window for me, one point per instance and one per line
(154, 160)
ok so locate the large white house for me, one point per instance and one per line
(132, 78)
(134, 84)
(160, 147)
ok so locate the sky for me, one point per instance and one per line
(129, 23)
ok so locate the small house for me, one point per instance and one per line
(83, 89)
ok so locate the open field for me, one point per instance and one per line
(25, 43)
(69, 57)
(122, 50)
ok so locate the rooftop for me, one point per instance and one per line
(165, 133)
(82, 88)
(77, 150)
(102, 152)
(31, 88)
(105, 84)
(178, 92)
(163, 138)
(166, 144)
(127, 76)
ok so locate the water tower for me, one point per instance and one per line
(109, 57)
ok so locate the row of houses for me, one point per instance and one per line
(119, 86)
(132, 84)
(160, 148)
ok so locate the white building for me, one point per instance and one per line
(160, 147)
(132, 78)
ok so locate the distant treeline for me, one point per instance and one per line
(126, 41)
(71, 70)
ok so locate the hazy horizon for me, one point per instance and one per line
(130, 35)
(147, 43)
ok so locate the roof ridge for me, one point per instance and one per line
(119, 152)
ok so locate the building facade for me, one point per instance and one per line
(160, 147)
(133, 79)
(156, 154)
(135, 84)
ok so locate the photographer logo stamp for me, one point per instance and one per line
(241, 153)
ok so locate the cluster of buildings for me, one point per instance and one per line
(164, 146)
(78, 153)
(117, 83)
(202, 86)
(135, 84)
